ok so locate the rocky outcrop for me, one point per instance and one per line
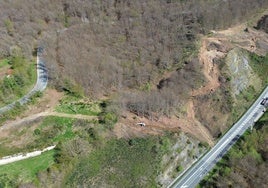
(242, 74)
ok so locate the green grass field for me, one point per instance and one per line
(71, 105)
(122, 163)
(4, 63)
(53, 130)
(25, 170)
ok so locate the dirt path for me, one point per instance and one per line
(19, 157)
(212, 48)
(187, 123)
(211, 73)
(216, 47)
(210, 69)
(75, 116)
(16, 123)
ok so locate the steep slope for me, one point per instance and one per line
(142, 60)
(230, 73)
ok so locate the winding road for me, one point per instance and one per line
(198, 170)
(201, 168)
(40, 85)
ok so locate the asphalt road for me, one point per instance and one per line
(200, 169)
(40, 85)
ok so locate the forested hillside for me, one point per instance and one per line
(132, 43)
(116, 64)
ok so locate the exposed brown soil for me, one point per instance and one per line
(33, 116)
(200, 129)
(216, 47)
(212, 49)
(212, 114)
(47, 103)
(128, 126)
(44, 106)
(245, 37)
(210, 69)
(187, 123)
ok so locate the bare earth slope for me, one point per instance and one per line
(204, 117)
(225, 48)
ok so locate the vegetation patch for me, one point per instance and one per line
(52, 130)
(18, 109)
(19, 80)
(239, 103)
(74, 105)
(122, 163)
(260, 65)
(11, 114)
(4, 63)
(5, 151)
(243, 101)
(11, 175)
(245, 163)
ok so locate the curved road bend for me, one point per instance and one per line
(201, 168)
(40, 85)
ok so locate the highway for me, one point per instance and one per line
(200, 169)
(40, 85)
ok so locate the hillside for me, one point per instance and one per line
(246, 164)
(187, 69)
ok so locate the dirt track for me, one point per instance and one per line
(19, 157)
(187, 122)
(15, 123)
(210, 69)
